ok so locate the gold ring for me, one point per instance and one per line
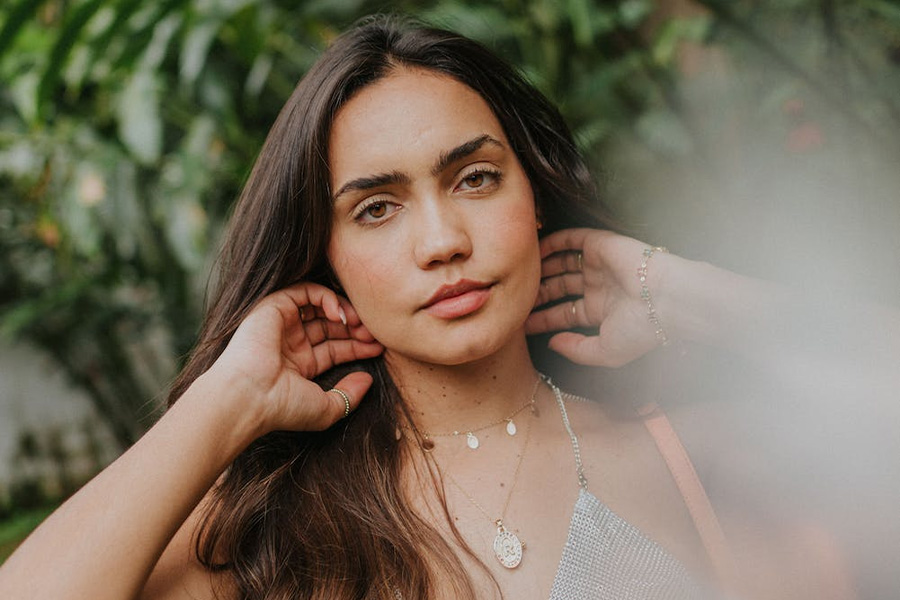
(301, 314)
(346, 398)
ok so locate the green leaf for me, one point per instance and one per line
(633, 12)
(195, 49)
(139, 40)
(123, 11)
(890, 10)
(20, 13)
(140, 127)
(64, 44)
(673, 33)
(580, 18)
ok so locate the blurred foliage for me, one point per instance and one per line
(127, 127)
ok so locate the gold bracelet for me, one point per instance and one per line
(645, 294)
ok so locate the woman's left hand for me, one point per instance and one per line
(595, 271)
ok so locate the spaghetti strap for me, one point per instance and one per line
(579, 468)
(694, 495)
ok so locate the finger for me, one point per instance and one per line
(320, 330)
(556, 288)
(361, 333)
(581, 349)
(354, 323)
(334, 406)
(308, 312)
(562, 262)
(593, 350)
(565, 240)
(352, 327)
(335, 352)
(312, 294)
(565, 315)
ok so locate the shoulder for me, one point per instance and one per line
(179, 574)
(625, 470)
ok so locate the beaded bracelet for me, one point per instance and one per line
(645, 294)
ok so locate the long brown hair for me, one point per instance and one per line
(324, 515)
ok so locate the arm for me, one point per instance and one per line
(105, 540)
(811, 340)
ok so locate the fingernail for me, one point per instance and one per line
(342, 314)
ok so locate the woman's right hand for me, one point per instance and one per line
(290, 337)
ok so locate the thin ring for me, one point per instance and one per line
(579, 259)
(301, 314)
(574, 313)
(346, 398)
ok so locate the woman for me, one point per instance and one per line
(412, 205)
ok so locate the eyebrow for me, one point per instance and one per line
(372, 181)
(396, 177)
(448, 158)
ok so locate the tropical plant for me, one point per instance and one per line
(127, 127)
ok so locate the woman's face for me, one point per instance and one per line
(434, 233)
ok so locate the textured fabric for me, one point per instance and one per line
(607, 558)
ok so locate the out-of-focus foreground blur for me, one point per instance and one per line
(759, 135)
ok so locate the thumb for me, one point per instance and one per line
(582, 349)
(337, 404)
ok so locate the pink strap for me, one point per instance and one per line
(691, 489)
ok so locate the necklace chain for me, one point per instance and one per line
(427, 443)
(512, 486)
(529, 403)
(508, 548)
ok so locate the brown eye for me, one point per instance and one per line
(377, 210)
(475, 180)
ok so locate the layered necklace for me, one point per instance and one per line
(508, 548)
(472, 441)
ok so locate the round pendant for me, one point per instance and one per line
(507, 548)
(471, 440)
(510, 427)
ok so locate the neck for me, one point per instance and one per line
(459, 397)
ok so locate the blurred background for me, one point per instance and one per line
(759, 135)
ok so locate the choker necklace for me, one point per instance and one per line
(472, 440)
(507, 547)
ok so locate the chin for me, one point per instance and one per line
(462, 346)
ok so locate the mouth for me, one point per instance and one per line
(458, 299)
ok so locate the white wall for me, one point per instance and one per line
(36, 397)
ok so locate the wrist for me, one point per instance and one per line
(228, 403)
(680, 304)
(698, 302)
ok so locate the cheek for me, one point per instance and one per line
(371, 283)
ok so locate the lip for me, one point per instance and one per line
(458, 299)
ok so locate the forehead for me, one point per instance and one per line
(401, 122)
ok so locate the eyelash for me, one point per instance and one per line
(496, 175)
(360, 212)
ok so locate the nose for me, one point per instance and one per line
(441, 233)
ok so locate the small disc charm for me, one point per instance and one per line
(471, 440)
(510, 427)
(427, 444)
(507, 547)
